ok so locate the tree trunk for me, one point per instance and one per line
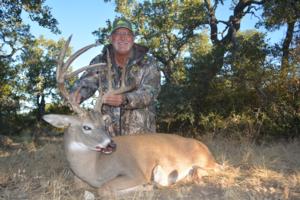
(285, 48)
(41, 106)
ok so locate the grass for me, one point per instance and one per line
(265, 171)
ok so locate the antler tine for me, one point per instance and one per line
(61, 75)
(78, 53)
(60, 62)
(89, 67)
(109, 71)
(123, 88)
(98, 105)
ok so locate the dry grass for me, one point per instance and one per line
(267, 171)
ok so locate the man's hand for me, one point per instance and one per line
(113, 99)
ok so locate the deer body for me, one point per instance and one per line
(125, 162)
(136, 160)
(136, 157)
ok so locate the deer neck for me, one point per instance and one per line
(82, 161)
(90, 166)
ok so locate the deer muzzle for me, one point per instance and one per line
(111, 147)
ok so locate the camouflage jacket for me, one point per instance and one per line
(138, 115)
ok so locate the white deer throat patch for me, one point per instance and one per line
(77, 146)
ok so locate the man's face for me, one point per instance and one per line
(122, 40)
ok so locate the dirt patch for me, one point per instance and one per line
(268, 171)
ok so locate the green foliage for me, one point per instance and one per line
(279, 12)
(103, 33)
(175, 109)
(15, 37)
(13, 32)
(247, 98)
(226, 84)
(39, 68)
(57, 108)
(9, 100)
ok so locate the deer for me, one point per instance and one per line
(122, 163)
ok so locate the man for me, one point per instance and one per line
(132, 112)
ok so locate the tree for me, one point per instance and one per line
(214, 68)
(39, 67)
(9, 100)
(15, 38)
(285, 87)
(275, 16)
(168, 27)
(13, 31)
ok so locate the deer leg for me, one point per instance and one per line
(123, 184)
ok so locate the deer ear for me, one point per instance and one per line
(60, 121)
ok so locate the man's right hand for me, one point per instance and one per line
(113, 99)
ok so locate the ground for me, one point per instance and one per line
(264, 171)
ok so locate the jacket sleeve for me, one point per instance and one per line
(147, 90)
(88, 83)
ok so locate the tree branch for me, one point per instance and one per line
(212, 22)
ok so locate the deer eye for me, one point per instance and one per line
(87, 128)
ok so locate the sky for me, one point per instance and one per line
(80, 18)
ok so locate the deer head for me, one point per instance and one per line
(87, 128)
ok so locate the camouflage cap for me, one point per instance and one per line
(121, 23)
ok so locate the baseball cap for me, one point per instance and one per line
(121, 23)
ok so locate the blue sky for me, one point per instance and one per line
(81, 18)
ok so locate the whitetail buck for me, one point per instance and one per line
(125, 162)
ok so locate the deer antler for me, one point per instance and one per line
(62, 76)
(123, 88)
